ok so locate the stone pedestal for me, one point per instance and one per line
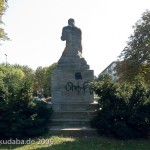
(70, 82)
(72, 97)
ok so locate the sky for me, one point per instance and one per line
(35, 27)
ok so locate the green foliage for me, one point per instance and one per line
(11, 78)
(135, 58)
(20, 117)
(26, 70)
(124, 111)
(3, 6)
(43, 79)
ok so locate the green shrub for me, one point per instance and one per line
(20, 117)
(124, 111)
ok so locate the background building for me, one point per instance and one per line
(110, 70)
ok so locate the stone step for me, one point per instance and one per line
(70, 122)
(77, 131)
(80, 106)
(73, 114)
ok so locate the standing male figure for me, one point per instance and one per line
(72, 35)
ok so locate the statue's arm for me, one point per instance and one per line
(63, 36)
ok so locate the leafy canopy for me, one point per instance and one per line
(3, 6)
(135, 58)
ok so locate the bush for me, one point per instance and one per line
(124, 111)
(20, 117)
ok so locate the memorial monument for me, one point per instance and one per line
(72, 97)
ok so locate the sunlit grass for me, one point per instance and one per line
(84, 143)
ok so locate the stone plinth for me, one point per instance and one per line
(70, 81)
(72, 97)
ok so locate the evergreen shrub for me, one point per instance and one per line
(124, 110)
(19, 116)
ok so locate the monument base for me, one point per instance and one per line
(71, 114)
(72, 98)
(73, 132)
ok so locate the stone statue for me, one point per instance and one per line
(72, 35)
(70, 82)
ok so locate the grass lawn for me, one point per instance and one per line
(84, 143)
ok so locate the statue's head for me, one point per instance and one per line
(71, 22)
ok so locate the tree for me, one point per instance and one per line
(3, 6)
(11, 78)
(20, 117)
(135, 58)
(28, 72)
(43, 79)
(47, 85)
